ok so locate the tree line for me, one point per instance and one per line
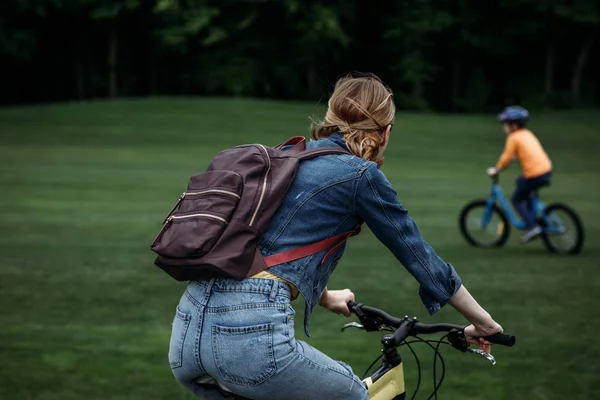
(446, 55)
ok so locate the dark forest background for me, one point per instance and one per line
(445, 55)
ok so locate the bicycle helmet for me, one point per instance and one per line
(515, 114)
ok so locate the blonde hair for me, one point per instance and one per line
(360, 108)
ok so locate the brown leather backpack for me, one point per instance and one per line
(218, 222)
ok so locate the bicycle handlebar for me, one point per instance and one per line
(373, 318)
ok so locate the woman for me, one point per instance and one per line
(241, 333)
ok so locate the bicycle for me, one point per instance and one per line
(486, 222)
(387, 381)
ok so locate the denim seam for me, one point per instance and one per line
(216, 310)
(357, 185)
(185, 319)
(202, 307)
(353, 203)
(197, 342)
(252, 291)
(192, 299)
(349, 162)
(407, 243)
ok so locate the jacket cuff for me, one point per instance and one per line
(434, 301)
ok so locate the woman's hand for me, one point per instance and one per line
(482, 323)
(337, 301)
(475, 334)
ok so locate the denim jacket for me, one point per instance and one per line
(333, 194)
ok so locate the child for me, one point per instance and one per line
(536, 166)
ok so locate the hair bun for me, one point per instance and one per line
(360, 108)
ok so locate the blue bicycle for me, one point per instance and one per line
(486, 223)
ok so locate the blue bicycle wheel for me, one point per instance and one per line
(482, 226)
(563, 230)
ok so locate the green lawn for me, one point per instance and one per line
(84, 314)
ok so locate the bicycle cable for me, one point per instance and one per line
(437, 353)
(371, 366)
(377, 359)
(418, 367)
(438, 385)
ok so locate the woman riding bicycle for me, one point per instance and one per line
(241, 333)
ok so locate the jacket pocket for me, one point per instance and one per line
(244, 355)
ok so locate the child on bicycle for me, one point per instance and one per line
(535, 164)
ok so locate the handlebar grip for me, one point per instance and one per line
(502, 339)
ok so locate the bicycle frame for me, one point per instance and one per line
(497, 196)
(388, 384)
(537, 208)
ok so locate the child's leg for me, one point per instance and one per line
(521, 200)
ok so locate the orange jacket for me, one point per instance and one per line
(527, 149)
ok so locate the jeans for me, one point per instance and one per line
(521, 198)
(241, 333)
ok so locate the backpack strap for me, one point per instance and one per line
(298, 149)
(292, 142)
(321, 151)
(298, 143)
(334, 242)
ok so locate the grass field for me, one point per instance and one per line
(84, 314)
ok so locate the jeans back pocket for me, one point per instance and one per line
(244, 355)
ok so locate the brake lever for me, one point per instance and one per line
(459, 342)
(484, 354)
(352, 325)
(370, 324)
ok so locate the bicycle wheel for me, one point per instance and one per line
(483, 230)
(563, 230)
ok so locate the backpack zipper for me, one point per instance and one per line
(264, 186)
(210, 191)
(172, 217)
(184, 194)
(167, 218)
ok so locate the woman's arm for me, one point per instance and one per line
(482, 324)
(465, 304)
(376, 202)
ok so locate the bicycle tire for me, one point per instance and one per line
(501, 238)
(578, 246)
